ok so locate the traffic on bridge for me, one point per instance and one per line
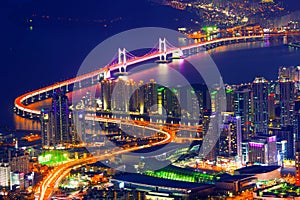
(21, 103)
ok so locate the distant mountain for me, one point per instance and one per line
(134, 13)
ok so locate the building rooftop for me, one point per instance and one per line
(188, 170)
(256, 169)
(159, 182)
(232, 178)
(99, 164)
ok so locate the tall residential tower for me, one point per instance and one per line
(260, 101)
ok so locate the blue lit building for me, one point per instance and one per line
(243, 108)
(286, 99)
(260, 101)
(60, 108)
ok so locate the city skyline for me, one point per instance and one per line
(151, 99)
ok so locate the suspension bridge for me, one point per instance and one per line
(161, 52)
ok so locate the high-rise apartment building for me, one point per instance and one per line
(263, 150)
(47, 127)
(60, 108)
(260, 102)
(243, 109)
(230, 141)
(4, 174)
(286, 100)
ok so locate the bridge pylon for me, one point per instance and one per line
(162, 47)
(122, 59)
(106, 74)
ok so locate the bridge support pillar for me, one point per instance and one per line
(107, 74)
(163, 49)
(122, 60)
(163, 57)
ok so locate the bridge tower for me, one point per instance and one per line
(163, 49)
(106, 74)
(122, 59)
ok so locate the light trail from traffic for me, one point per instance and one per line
(52, 180)
(19, 101)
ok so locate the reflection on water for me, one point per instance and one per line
(285, 39)
(26, 124)
(29, 124)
